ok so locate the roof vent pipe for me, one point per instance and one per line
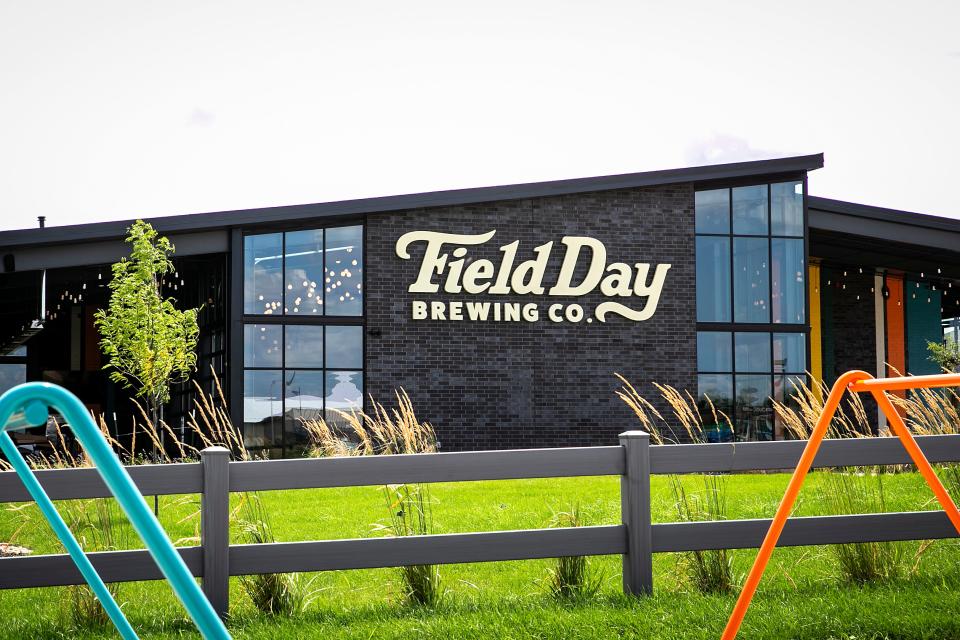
(42, 220)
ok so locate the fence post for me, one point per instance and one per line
(635, 513)
(215, 527)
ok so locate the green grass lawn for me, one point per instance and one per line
(802, 594)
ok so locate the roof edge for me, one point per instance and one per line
(185, 223)
(883, 214)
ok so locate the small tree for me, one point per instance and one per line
(149, 344)
(947, 354)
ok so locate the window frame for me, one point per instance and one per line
(732, 327)
(284, 319)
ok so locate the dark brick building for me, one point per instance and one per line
(505, 312)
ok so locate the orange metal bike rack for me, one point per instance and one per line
(856, 382)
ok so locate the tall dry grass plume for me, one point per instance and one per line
(100, 525)
(712, 570)
(410, 506)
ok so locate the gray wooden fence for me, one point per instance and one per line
(636, 539)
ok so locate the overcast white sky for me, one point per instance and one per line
(115, 110)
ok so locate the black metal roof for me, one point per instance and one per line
(867, 213)
(223, 219)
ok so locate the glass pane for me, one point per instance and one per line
(789, 352)
(303, 284)
(20, 351)
(344, 393)
(11, 375)
(262, 409)
(751, 280)
(715, 402)
(344, 347)
(304, 346)
(261, 345)
(713, 211)
(263, 274)
(754, 410)
(786, 209)
(344, 275)
(789, 288)
(303, 400)
(713, 279)
(750, 210)
(714, 351)
(786, 391)
(752, 351)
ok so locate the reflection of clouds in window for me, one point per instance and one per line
(343, 275)
(304, 272)
(344, 391)
(344, 347)
(262, 274)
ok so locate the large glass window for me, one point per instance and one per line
(319, 370)
(313, 272)
(751, 306)
(308, 363)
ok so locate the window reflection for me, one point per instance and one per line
(749, 206)
(789, 288)
(263, 274)
(712, 211)
(303, 400)
(261, 345)
(344, 347)
(713, 279)
(344, 394)
(303, 283)
(714, 351)
(752, 352)
(786, 209)
(789, 353)
(754, 411)
(304, 345)
(343, 279)
(262, 409)
(751, 284)
(715, 403)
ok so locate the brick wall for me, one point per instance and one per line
(519, 384)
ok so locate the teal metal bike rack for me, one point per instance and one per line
(27, 405)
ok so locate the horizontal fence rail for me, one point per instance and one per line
(636, 539)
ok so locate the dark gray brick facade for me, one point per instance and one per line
(519, 384)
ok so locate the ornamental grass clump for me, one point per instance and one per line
(572, 577)
(100, 525)
(847, 490)
(409, 506)
(709, 571)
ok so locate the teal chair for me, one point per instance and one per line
(27, 405)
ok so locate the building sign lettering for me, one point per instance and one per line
(447, 267)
